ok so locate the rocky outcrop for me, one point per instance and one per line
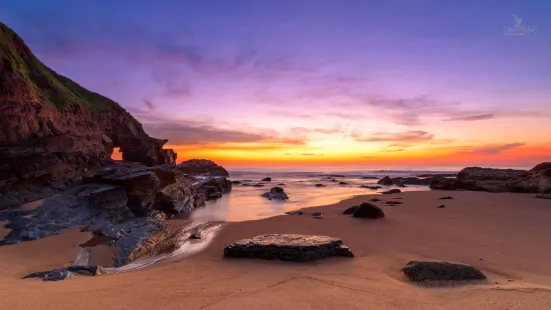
(485, 179)
(276, 193)
(53, 132)
(385, 181)
(368, 210)
(536, 180)
(202, 166)
(441, 271)
(288, 247)
(442, 183)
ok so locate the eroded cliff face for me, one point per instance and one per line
(54, 132)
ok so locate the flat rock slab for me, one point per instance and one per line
(288, 247)
(441, 271)
(67, 272)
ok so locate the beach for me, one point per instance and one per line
(505, 235)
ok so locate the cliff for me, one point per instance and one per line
(53, 131)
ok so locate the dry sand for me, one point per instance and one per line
(506, 235)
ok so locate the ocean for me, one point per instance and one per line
(245, 203)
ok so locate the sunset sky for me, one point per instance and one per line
(303, 82)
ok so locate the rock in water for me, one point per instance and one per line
(288, 247)
(267, 179)
(392, 191)
(368, 210)
(276, 193)
(442, 183)
(385, 181)
(319, 185)
(371, 187)
(438, 271)
(342, 183)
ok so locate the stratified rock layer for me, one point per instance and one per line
(288, 247)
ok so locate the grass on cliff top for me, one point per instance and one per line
(52, 89)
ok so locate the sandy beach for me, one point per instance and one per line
(505, 235)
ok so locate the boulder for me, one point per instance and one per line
(441, 271)
(536, 180)
(288, 247)
(385, 181)
(368, 210)
(442, 183)
(392, 191)
(350, 210)
(276, 193)
(267, 179)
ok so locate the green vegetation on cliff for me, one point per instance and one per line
(17, 62)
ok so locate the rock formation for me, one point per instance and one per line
(288, 247)
(203, 166)
(536, 180)
(57, 137)
(53, 132)
(442, 183)
(485, 179)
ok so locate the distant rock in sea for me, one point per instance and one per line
(276, 193)
(267, 179)
(385, 181)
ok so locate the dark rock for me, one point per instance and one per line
(385, 181)
(351, 210)
(288, 247)
(319, 185)
(536, 180)
(446, 198)
(258, 185)
(445, 175)
(543, 196)
(343, 183)
(371, 187)
(202, 166)
(281, 184)
(486, 179)
(67, 272)
(317, 214)
(392, 191)
(442, 183)
(267, 179)
(441, 206)
(411, 181)
(294, 213)
(376, 199)
(393, 202)
(369, 178)
(368, 210)
(235, 182)
(441, 271)
(276, 193)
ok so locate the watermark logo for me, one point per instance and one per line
(518, 29)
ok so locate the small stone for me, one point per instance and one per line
(444, 198)
(392, 191)
(267, 179)
(319, 185)
(441, 206)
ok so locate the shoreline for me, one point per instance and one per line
(491, 231)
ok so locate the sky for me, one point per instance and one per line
(313, 83)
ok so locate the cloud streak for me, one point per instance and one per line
(407, 136)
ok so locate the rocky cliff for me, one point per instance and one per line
(54, 132)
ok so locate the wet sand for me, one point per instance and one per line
(505, 235)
